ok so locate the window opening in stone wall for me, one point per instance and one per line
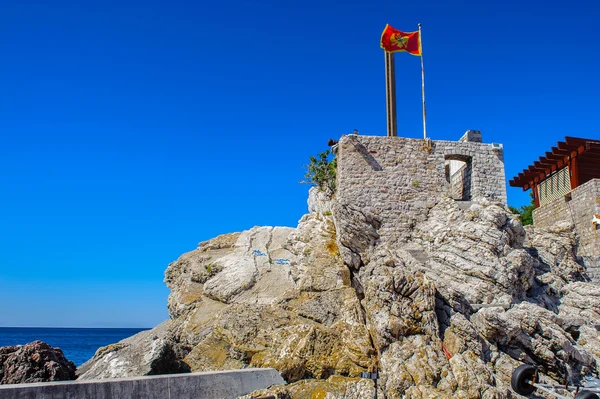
(555, 186)
(458, 175)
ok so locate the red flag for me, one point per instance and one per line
(394, 40)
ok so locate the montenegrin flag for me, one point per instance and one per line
(394, 40)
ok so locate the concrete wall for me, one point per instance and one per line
(208, 385)
(585, 202)
(400, 178)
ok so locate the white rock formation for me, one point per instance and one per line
(447, 311)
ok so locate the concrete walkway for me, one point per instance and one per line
(206, 385)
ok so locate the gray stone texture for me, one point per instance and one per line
(398, 179)
(578, 211)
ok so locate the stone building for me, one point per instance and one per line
(566, 187)
(399, 178)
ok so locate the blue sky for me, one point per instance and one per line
(130, 131)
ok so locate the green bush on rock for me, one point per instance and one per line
(322, 172)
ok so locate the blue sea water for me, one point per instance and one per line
(78, 344)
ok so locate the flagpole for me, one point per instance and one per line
(423, 85)
(390, 93)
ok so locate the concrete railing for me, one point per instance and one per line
(206, 385)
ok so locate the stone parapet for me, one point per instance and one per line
(472, 136)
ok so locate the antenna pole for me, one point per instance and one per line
(423, 85)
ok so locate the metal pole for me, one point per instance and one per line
(423, 85)
(390, 93)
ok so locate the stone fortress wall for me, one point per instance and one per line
(577, 208)
(400, 179)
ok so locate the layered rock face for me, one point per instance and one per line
(447, 310)
(34, 362)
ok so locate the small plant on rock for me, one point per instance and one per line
(322, 172)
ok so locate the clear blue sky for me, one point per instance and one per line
(130, 131)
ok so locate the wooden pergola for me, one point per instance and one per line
(582, 156)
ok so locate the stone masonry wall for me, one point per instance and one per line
(399, 179)
(487, 166)
(584, 203)
(472, 135)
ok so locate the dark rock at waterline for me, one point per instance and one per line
(34, 362)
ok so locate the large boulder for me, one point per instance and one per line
(34, 362)
(297, 311)
(145, 353)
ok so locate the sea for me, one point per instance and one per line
(77, 344)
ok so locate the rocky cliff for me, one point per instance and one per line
(448, 310)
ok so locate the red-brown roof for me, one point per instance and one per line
(586, 150)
